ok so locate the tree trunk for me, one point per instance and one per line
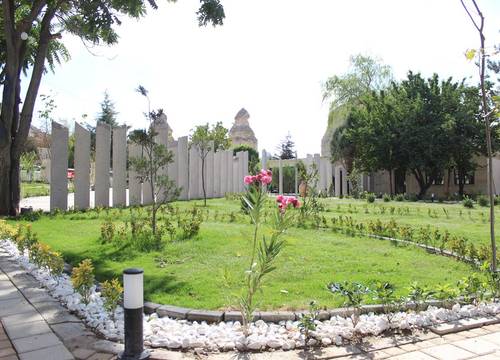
(422, 184)
(461, 183)
(390, 182)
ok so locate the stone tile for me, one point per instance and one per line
(9, 357)
(150, 307)
(35, 342)
(414, 355)
(101, 356)
(493, 337)
(14, 306)
(276, 316)
(453, 337)
(477, 346)
(58, 352)
(337, 351)
(409, 347)
(430, 342)
(4, 277)
(35, 295)
(27, 329)
(476, 332)
(394, 351)
(5, 344)
(488, 357)
(375, 343)
(447, 352)
(9, 351)
(54, 313)
(173, 312)
(67, 331)
(106, 346)
(205, 315)
(162, 354)
(10, 293)
(83, 353)
(494, 327)
(28, 316)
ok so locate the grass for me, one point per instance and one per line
(207, 272)
(30, 189)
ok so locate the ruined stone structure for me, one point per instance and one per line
(241, 133)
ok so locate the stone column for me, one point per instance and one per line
(102, 164)
(134, 185)
(280, 177)
(322, 174)
(264, 159)
(328, 175)
(239, 180)
(120, 166)
(236, 173)
(309, 161)
(217, 174)
(194, 174)
(82, 167)
(344, 182)
(246, 161)
(183, 167)
(59, 167)
(209, 172)
(230, 166)
(337, 180)
(173, 167)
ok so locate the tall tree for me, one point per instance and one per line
(108, 112)
(31, 34)
(478, 21)
(365, 74)
(286, 149)
(205, 138)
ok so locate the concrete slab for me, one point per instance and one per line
(36, 342)
(58, 352)
(27, 329)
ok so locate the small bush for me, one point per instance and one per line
(82, 278)
(386, 197)
(468, 202)
(370, 197)
(399, 197)
(112, 294)
(55, 263)
(107, 231)
(483, 200)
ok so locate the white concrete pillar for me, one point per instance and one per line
(134, 183)
(217, 174)
(344, 182)
(329, 175)
(209, 172)
(102, 164)
(183, 167)
(194, 174)
(59, 167)
(236, 173)
(322, 175)
(264, 159)
(280, 177)
(239, 183)
(173, 167)
(246, 160)
(82, 167)
(229, 167)
(120, 166)
(337, 181)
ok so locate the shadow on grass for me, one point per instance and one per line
(155, 282)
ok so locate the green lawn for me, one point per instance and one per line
(29, 189)
(206, 272)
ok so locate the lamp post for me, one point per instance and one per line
(133, 306)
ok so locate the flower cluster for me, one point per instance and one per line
(285, 201)
(264, 177)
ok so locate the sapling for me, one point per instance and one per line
(353, 294)
(307, 321)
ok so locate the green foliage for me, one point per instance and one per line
(286, 149)
(467, 202)
(190, 224)
(107, 231)
(370, 197)
(386, 197)
(483, 201)
(82, 279)
(253, 157)
(108, 112)
(28, 161)
(307, 321)
(111, 291)
(399, 197)
(419, 295)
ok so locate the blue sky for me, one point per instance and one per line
(270, 56)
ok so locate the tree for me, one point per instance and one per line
(253, 157)
(486, 114)
(151, 167)
(108, 112)
(201, 140)
(286, 148)
(220, 137)
(30, 39)
(366, 74)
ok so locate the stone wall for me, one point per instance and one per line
(116, 184)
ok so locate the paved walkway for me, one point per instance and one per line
(35, 326)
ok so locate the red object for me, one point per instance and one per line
(71, 174)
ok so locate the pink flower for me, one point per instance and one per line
(279, 198)
(248, 180)
(266, 180)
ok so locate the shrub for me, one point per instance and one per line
(39, 254)
(82, 278)
(468, 202)
(353, 294)
(6, 231)
(370, 197)
(399, 197)
(190, 225)
(483, 200)
(107, 231)
(55, 263)
(307, 322)
(112, 294)
(386, 197)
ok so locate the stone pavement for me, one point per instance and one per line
(37, 327)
